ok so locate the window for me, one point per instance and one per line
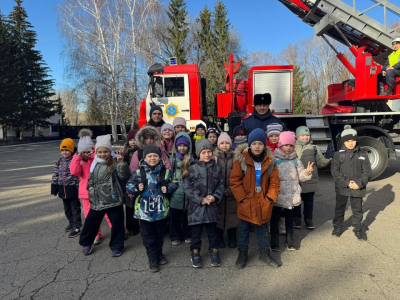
(158, 87)
(174, 86)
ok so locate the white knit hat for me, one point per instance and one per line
(85, 141)
(104, 141)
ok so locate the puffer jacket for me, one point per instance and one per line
(106, 192)
(358, 170)
(311, 153)
(139, 138)
(64, 183)
(81, 169)
(151, 204)
(254, 207)
(261, 121)
(178, 199)
(291, 173)
(204, 179)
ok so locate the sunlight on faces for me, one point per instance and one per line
(287, 149)
(180, 128)
(206, 155)
(304, 138)
(103, 153)
(257, 147)
(183, 149)
(65, 154)
(156, 116)
(261, 109)
(350, 144)
(152, 159)
(167, 134)
(224, 146)
(132, 143)
(200, 131)
(212, 137)
(148, 140)
(273, 138)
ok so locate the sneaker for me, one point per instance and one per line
(176, 243)
(290, 242)
(196, 259)
(68, 228)
(282, 226)
(297, 223)
(275, 242)
(74, 232)
(116, 253)
(360, 234)
(162, 260)
(309, 224)
(153, 266)
(242, 259)
(87, 250)
(337, 231)
(266, 257)
(188, 241)
(97, 241)
(215, 261)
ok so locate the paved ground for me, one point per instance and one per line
(38, 260)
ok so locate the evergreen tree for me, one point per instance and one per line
(221, 32)
(300, 91)
(178, 30)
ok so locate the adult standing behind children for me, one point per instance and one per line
(308, 153)
(255, 185)
(156, 117)
(351, 171)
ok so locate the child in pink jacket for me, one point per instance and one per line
(80, 166)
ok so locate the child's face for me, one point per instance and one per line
(304, 138)
(148, 140)
(200, 131)
(212, 137)
(183, 149)
(167, 134)
(273, 138)
(287, 149)
(350, 144)
(206, 155)
(86, 154)
(152, 159)
(132, 143)
(180, 128)
(65, 153)
(103, 153)
(224, 146)
(257, 147)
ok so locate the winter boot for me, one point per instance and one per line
(381, 89)
(196, 259)
(242, 259)
(232, 243)
(337, 231)
(290, 242)
(275, 242)
(215, 261)
(266, 257)
(360, 234)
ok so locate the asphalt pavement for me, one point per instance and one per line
(39, 261)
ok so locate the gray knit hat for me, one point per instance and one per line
(201, 145)
(85, 140)
(274, 128)
(348, 134)
(302, 130)
(152, 149)
(103, 141)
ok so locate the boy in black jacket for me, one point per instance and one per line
(351, 171)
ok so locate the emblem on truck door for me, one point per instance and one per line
(171, 110)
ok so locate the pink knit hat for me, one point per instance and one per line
(179, 121)
(287, 138)
(224, 137)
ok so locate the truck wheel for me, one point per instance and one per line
(377, 154)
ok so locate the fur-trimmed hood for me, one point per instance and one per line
(147, 130)
(239, 152)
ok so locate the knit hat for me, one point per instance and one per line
(262, 99)
(212, 130)
(167, 126)
(67, 144)
(239, 130)
(201, 145)
(181, 140)
(104, 141)
(287, 138)
(132, 134)
(256, 135)
(224, 137)
(348, 134)
(200, 125)
(302, 130)
(154, 108)
(274, 128)
(85, 140)
(179, 121)
(152, 149)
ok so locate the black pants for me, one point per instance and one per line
(356, 208)
(197, 230)
(390, 77)
(72, 209)
(178, 231)
(132, 224)
(277, 212)
(92, 224)
(308, 204)
(153, 237)
(231, 233)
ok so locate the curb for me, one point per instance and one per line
(28, 144)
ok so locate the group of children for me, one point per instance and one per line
(168, 178)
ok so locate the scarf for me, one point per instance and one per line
(259, 158)
(303, 143)
(97, 160)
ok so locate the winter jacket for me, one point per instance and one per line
(261, 121)
(139, 138)
(272, 146)
(358, 170)
(106, 189)
(129, 154)
(167, 147)
(151, 204)
(204, 179)
(291, 173)
(254, 207)
(228, 204)
(63, 182)
(178, 199)
(81, 169)
(311, 153)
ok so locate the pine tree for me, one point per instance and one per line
(178, 30)
(300, 91)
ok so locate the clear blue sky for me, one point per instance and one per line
(264, 25)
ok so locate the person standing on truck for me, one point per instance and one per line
(156, 117)
(262, 115)
(391, 69)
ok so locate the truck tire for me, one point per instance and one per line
(377, 154)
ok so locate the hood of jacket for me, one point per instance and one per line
(241, 153)
(187, 137)
(147, 130)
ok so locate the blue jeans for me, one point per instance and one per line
(262, 236)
